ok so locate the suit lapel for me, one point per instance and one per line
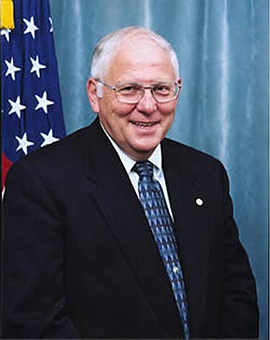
(125, 218)
(184, 189)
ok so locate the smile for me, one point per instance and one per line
(143, 124)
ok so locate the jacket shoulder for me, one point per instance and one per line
(65, 152)
(183, 153)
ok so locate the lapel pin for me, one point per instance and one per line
(199, 202)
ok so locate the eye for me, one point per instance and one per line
(129, 90)
(162, 89)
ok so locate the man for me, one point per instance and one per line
(86, 253)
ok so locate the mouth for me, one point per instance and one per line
(144, 124)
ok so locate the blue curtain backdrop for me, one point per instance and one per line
(223, 109)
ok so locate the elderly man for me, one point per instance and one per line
(128, 234)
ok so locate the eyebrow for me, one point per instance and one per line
(150, 83)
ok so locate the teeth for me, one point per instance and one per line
(144, 124)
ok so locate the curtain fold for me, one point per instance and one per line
(223, 109)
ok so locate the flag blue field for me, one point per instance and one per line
(32, 114)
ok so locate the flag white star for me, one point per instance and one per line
(36, 66)
(48, 139)
(31, 27)
(43, 102)
(16, 107)
(5, 32)
(23, 143)
(51, 28)
(11, 68)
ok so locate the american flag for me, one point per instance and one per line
(31, 103)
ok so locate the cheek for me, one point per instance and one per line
(168, 112)
(121, 111)
(112, 108)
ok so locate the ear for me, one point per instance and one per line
(179, 82)
(91, 88)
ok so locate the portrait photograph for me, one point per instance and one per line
(135, 169)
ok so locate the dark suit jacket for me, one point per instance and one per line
(80, 260)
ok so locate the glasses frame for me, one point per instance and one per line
(143, 88)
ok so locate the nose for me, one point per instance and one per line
(147, 104)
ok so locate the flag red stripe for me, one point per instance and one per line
(6, 164)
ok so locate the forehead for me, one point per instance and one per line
(140, 59)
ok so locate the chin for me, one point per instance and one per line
(145, 152)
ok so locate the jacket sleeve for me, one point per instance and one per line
(239, 312)
(33, 299)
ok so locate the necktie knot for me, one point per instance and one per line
(144, 169)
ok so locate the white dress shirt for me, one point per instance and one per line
(155, 159)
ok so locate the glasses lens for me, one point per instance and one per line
(165, 92)
(130, 93)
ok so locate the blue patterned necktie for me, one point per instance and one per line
(156, 210)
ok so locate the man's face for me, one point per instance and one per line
(137, 128)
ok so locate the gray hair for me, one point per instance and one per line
(108, 46)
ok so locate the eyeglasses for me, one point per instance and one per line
(132, 93)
